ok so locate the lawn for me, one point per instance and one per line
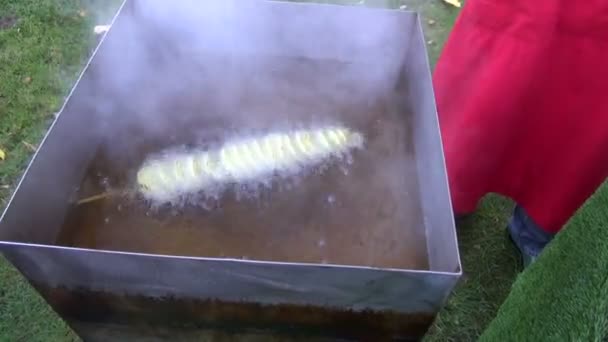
(43, 44)
(563, 296)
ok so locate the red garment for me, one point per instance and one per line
(522, 95)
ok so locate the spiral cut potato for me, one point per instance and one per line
(242, 161)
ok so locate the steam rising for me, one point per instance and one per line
(197, 73)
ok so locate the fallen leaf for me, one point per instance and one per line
(27, 80)
(99, 29)
(29, 146)
(454, 3)
(432, 22)
(2, 154)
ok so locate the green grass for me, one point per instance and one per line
(490, 264)
(40, 58)
(24, 316)
(564, 295)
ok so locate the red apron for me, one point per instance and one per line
(522, 95)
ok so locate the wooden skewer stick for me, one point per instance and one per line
(94, 198)
(101, 196)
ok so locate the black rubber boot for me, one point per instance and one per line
(459, 219)
(527, 236)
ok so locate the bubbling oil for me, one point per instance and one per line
(360, 210)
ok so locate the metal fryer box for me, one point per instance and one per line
(113, 277)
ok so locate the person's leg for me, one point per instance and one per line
(528, 236)
(461, 219)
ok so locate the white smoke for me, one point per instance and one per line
(188, 72)
(185, 72)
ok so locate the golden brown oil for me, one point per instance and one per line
(364, 213)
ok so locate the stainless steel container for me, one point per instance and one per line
(113, 271)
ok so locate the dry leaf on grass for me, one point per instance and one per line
(2, 154)
(454, 3)
(99, 29)
(29, 146)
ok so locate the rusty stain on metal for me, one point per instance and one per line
(178, 315)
